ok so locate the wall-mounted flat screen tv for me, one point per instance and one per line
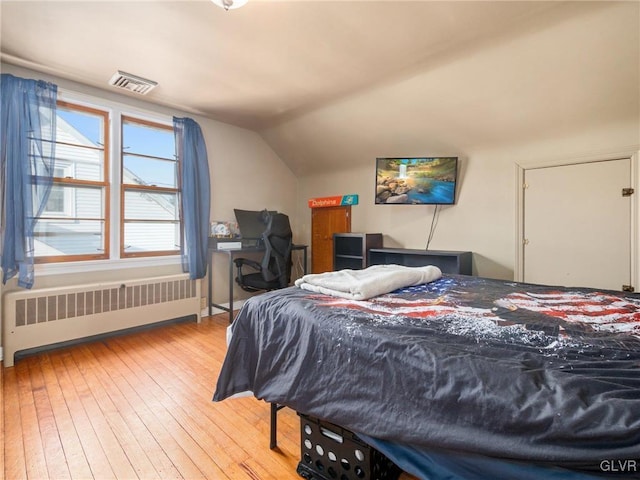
(416, 180)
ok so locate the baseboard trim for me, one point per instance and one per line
(237, 305)
(101, 336)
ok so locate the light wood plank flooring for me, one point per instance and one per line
(139, 406)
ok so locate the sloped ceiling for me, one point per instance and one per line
(321, 79)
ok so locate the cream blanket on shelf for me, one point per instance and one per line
(370, 282)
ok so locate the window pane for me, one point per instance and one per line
(73, 222)
(150, 237)
(68, 237)
(146, 140)
(75, 202)
(80, 162)
(79, 127)
(146, 205)
(151, 215)
(55, 203)
(148, 171)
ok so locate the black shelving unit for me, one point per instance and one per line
(350, 250)
(447, 261)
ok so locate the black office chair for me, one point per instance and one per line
(274, 271)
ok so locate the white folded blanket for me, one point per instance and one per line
(370, 282)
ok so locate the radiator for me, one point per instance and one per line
(38, 318)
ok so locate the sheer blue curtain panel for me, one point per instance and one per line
(27, 157)
(195, 200)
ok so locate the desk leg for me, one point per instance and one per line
(304, 252)
(210, 292)
(230, 288)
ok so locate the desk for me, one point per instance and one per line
(231, 254)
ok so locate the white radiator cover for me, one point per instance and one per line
(37, 318)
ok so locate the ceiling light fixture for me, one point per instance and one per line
(229, 4)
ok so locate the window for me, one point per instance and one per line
(150, 221)
(60, 202)
(115, 190)
(75, 218)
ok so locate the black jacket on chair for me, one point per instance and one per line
(274, 271)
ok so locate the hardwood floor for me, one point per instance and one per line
(139, 406)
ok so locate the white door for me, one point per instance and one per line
(577, 225)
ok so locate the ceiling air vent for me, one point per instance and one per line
(133, 83)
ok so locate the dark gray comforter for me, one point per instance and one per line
(463, 364)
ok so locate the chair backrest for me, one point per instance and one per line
(278, 241)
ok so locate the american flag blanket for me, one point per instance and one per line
(463, 364)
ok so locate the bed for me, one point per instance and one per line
(461, 377)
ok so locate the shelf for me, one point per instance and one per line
(448, 261)
(350, 250)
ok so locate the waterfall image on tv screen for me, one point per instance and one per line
(416, 181)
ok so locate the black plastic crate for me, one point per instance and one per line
(330, 452)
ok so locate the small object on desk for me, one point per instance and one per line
(221, 229)
(228, 245)
(222, 243)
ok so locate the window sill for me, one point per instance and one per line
(105, 265)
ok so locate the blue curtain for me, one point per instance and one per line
(195, 198)
(27, 155)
